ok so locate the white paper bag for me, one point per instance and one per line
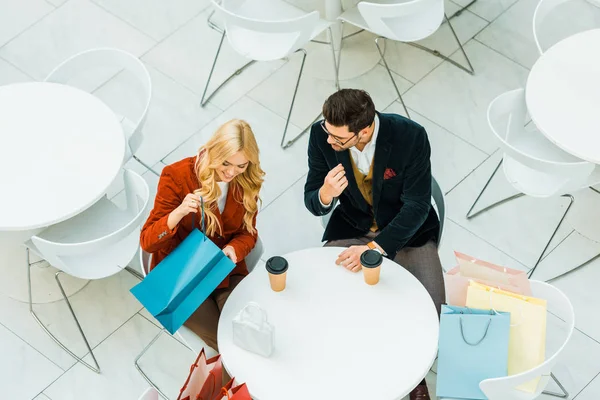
(252, 331)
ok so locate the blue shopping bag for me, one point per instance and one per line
(181, 282)
(473, 346)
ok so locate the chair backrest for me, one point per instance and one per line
(436, 195)
(150, 394)
(114, 61)
(505, 388)
(506, 117)
(264, 40)
(405, 21)
(116, 249)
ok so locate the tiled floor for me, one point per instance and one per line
(172, 38)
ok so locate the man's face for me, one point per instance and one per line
(339, 137)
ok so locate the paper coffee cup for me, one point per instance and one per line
(370, 261)
(277, 268)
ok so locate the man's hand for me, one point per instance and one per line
(334, 185)
(350, 258)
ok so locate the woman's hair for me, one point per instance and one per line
(231, 137)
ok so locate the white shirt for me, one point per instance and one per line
(363, 159)
(224, 186)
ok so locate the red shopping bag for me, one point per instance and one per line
(469, 268)
(205, 379)
(233, 392)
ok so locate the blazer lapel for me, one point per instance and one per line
(343, 157)
(383, 149)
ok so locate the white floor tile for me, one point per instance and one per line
(282, 167)
(458, 101)
(159, 18)
(11, 74)
(487, 9)
(42, 396)
(23, 371)
(17, 16)
(452, 159)
(167, 363)
(591, 392)
(187, 57)
(74, 27)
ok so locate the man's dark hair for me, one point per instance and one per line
(351, 107)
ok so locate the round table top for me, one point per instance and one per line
(335, 336)
(61, 149)
(563, 95)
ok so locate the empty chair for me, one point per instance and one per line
(403, 21)
(95, 244)
(185, 335)
(574, 16)
(532, 164)
(267, 30)
(437, 196)
(108, 63)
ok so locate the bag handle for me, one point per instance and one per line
(202, 222)
(462, 332)
(225, 392)
(254, 306)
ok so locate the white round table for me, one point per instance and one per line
(60, 150)
(563, 95)
(335, 336)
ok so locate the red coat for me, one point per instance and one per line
(177, 181)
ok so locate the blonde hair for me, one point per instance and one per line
(231, 137)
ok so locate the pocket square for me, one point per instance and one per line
(389, 173)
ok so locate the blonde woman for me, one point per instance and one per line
(225, 173)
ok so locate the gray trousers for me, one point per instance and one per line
(423, 262)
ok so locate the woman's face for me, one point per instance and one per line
(232, 167)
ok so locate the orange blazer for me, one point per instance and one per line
(177, 181)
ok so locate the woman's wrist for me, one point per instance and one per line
(174, 218)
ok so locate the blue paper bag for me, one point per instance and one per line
(181, 282)
(473, 346)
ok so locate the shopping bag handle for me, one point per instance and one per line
(462, 332)
(225, 392)
(202, 222)
(254, 306)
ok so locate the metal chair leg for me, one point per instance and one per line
(436, 53)
(205, 99)
(336, 67)
(564, 394)
(390, 74)
(456, 14)
(285, 145)
(37, 319)
(135, 273)
(137, 365)
(212, 25)
(572, 200)
(145, 165)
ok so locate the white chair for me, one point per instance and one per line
(116, 60)
(403, 21)
(436, 195)
(543, 9)
(267, 30)
(149, 394)
(187, 336)
(532, 164)
(505, 388)
(95, 244)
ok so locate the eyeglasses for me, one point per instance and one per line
(337, 140)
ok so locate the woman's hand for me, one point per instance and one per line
(230, 252)
(191, 203)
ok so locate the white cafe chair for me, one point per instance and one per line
(403, 21)
(185, 335)
(95, 244)
(267, 30)
(532, 164)
(546, 7)
(438, 200)
(81, 64)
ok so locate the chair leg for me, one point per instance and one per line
(390, 74)
(135, 273)
(149, 168)
(456, 14)
(137, 365)
(283, 144)
(205, 99)
(336, 66)
(214, 26)
(436, 53)
(562, 395)
(34, 315)
(572, 200)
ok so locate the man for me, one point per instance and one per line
(377, 166)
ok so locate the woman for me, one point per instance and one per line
(226, 173)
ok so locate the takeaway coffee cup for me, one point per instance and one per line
(277, 268)
(370, 261)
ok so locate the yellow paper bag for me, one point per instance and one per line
(527, 340)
